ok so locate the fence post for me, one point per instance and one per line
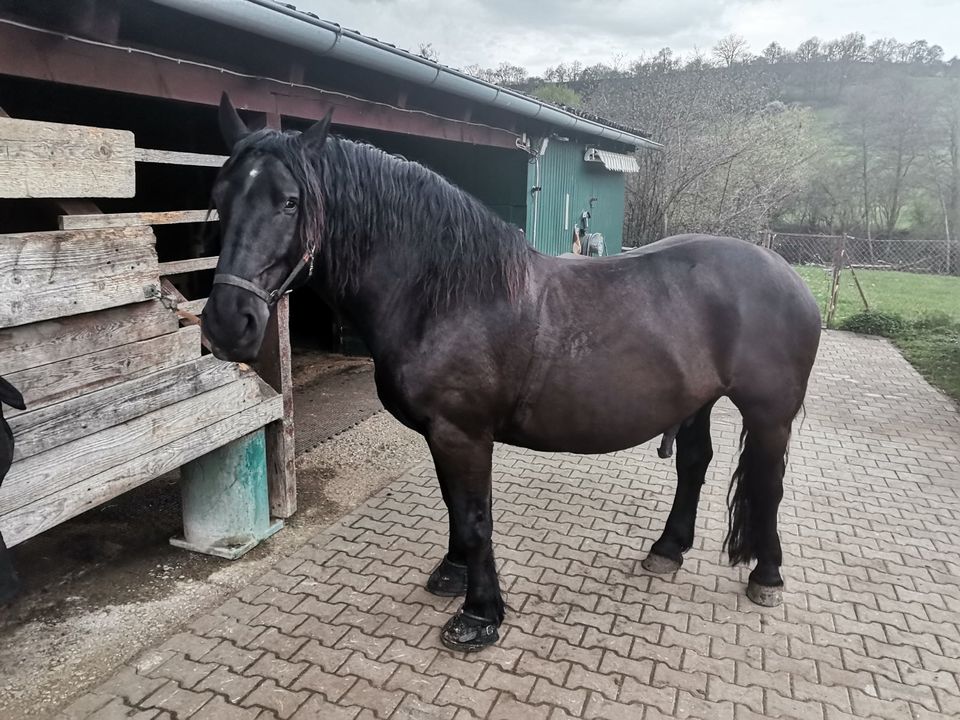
(835, 280)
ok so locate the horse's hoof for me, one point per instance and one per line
(765, 595)
(660, 565)
(448, 579)
(466, 632)
(664, 453)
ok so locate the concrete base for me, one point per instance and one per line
(230, 552)
(226, 509)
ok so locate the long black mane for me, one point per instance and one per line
(357, 200)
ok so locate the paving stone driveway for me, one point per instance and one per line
(344, 630)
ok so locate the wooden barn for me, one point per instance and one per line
(108, 149)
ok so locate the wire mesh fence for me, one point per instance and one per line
(905, 276)
(932, 257)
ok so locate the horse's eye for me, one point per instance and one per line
(290, 204)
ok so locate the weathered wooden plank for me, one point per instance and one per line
(53, 274)
(42, 159)
(274, 367)
(54, 425)
(39, 515)
(178, 267)
(171, 294)
(41, 475)
(107, 220)
(59, 381)
(174, 157)
(42, 343)
(193, 306)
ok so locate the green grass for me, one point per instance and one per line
(928, 305)
(909, 295)
(936, 354)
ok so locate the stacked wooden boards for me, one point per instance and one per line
(117, 393)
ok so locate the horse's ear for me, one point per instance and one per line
(317, 133)
(232, 126)
(9, 395)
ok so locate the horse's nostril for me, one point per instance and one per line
(250, 322)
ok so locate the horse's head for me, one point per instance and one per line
(271, 220)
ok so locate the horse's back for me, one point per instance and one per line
(649, 337)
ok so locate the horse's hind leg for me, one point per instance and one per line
(694, 453)
(755, 499)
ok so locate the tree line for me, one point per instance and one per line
(838, 136)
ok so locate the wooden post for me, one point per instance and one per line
(273, 365)
(835, 281)
(866, 305)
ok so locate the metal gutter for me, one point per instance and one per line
(326, 39)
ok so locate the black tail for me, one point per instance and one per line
(737, 543)
(742, 499)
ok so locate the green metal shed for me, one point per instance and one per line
(569, 178)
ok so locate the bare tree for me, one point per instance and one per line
(428, 52)
(774, 53)
(808, 50)
(941, 164)
(731, 159)
(731, 50)
(504, 74)
(884, 50)
(889, 122)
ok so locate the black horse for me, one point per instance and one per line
(9, 395)
(477, 338)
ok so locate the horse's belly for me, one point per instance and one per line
(605, 419)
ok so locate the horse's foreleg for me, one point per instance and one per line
(694, 453)
(449, 578)
(464, 465)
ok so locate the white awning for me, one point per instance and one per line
(617, 162)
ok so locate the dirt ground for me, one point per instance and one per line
(103, 586)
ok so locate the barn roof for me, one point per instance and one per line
(285, 23)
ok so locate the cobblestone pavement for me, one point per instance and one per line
(343, 630)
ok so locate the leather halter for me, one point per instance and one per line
(270, 298)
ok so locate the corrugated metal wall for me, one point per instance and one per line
(495, 176)
(567, 184)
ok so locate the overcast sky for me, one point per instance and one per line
(488, 32)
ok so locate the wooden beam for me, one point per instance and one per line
(179, 267)
(40, 475)
(274, 366)
(54, 274)
(53, 509)
(108, 220)
(54, 425)
(50, 341)
(47, 160)
(59, 381)
(185, 314)
(171, 157)
(193, 306)
(45, 56)
(131, 444)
